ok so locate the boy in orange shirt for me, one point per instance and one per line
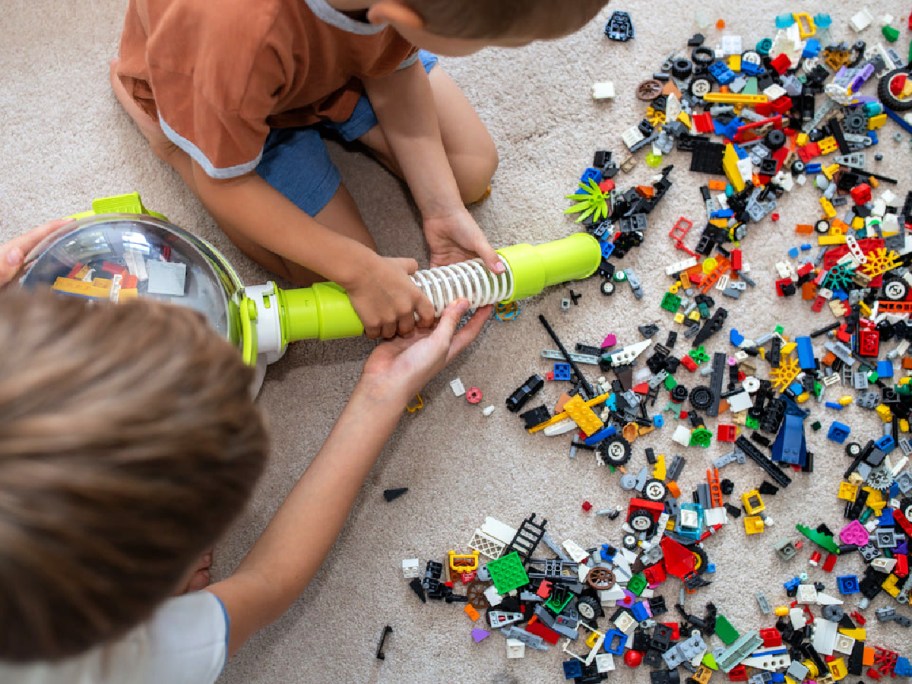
(235, 95)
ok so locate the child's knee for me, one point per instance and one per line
(474, 179)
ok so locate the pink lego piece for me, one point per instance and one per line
(854, 533)
(609, 341)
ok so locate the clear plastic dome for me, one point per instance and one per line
(122, 256)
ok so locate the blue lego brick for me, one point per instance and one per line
(721, 73)
(607, 553)
(783, 21)
(640, 611)
(722, 214)
(873, 137)
(898, 120)
(823, 21)
(562, 371)
(812, 48)
(591, 174)
(805, 350)
(793, 253)
(813, 168)
(615, 640)
(604, 433)
(710, 568)
(740, 151)
(796, 388)
(885, 368)
(751, 69)
(735, 338)
(806, 246)
(658, 420)
(886, 443)
(573, 669)
(792, 584)
(834, 405)
(847, 584)
(902, 668)
(838, 432)
(607, 249)
(790, 446)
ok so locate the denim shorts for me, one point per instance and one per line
(296, 162)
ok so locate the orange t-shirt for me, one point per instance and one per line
(219, 74)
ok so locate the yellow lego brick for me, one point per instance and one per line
(593, 638)
(859, 633)
(830, 170)
(734, 63)
(801, 139)
(752, 502)
(734, 98)
(674, 289)
(828, 145)
(753, 524)
(803, 397)
(829, 240)
(583, 416)
(858, 223)
(891, 585)
(100, 288)
(694, 315)
(876, 122)
(601, 399)
(847, 491)
(730, 166)
(844, 400)
(903, 423)
(719, 223)
(806, 26)
(876, 501)
(865, 309)
(886, 415)
(827, 207)
(659, 471)
(838, 669)
(678, 318)
(684, 118)
(788, 348)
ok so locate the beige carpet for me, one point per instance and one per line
(64, 141)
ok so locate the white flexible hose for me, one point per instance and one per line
(469, 280)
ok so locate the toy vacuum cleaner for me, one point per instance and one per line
(120, 250)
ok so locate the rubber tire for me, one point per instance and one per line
(883, 92)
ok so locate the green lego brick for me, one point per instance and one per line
(508, 573)
(670, 382)
(726, 631)
(671, 302)
(637, 584)
(701, 437)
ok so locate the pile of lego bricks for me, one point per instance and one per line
(771, 120)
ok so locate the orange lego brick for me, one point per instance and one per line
(471, 612)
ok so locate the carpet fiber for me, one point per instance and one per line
(65, 141)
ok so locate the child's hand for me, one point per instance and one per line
(386, 300)
(13, 253)
(456, 237)
(398, 369)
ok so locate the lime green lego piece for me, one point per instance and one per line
(726, 631)
(824, 541)
(710, 662)
(752, 423)
(701, 437)
(508, 573)
(637, 584)
(592, 201)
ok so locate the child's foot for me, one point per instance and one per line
(482, 198)
(201, 576)
(148, 126)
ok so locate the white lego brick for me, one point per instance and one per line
(715, 516)
(515, 649)
(739, 402)
(807, 594)
(732, 45)
(632, 136)
(575, 551)
(679, 266)
(610, 596)
(825, 633)
(603, 91)
(774, 92)
(498, 530)
(561, 428)
(824, 599)
(883, 564)
(410, 568)
(457, 387)
(487, 411)
(844, 644)
(796, 617)
(604, 662)
(493, 597)
(861, 20)
(681, 435)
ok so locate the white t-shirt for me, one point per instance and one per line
(185, 642)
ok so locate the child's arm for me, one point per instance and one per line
(297, 540)
(383, 295)
(404, 105)
(13, 253)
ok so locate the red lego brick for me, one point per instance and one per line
(781, 63)
(655, 574)
(688, 363)
(861, 194)
(771, 637)
(736, 260)
(543, 631)
(738, 674)
(830, 562)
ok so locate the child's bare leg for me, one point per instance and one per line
(340, 214)
(468, 145)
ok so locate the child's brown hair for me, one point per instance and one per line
(128, 442)
(501, 18)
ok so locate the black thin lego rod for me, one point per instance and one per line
(587, 388)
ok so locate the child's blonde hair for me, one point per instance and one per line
(128, 443)
(501, 18)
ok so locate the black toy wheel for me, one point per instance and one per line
(588, 607)
(895, 290)
(607, 288)
(654, 490)
(614, 451)
(895, 90)
(641, 520)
